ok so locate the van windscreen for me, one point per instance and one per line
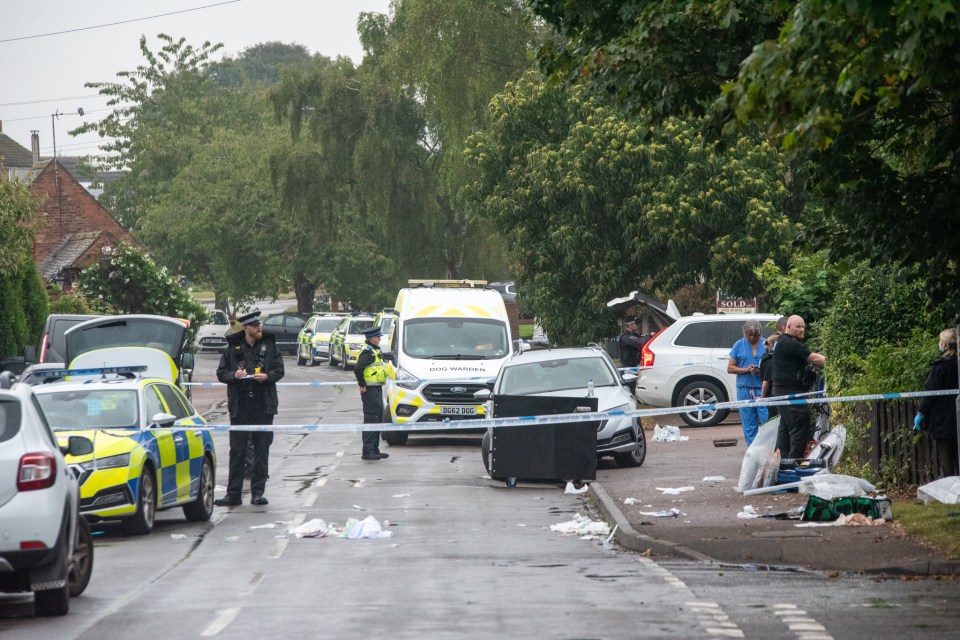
(455, 339)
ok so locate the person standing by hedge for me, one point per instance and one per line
(938, 414)
(744, 361)
(790, 359)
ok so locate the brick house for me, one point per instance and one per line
(78, 230)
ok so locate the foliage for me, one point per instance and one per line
(131, 282)
(806, 289)
(666, 58)
(866, 94)
(592, 202)
(36, 302)
(18, 224)
(12, 318)
(159, 113)
(259, 65)
(71, 303)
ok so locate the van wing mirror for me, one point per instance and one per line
(187, 362)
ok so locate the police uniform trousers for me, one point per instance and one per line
(795, 426)
(261, 453)
(372, 400)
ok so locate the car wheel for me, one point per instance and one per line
(311, 359)
(396, 438)
(299, 357)
(201, 509)
(141, 523)
(485, 451)
(81, 563)
(332, 361)
(636, 457)
(702, 392)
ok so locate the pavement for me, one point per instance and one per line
(710, 531)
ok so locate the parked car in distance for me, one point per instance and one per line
(574, 371)
(506, 289)
(146, 455)
(385, 320)
(212, 336)
(313, 341)
(45, 545)
(685, 364)
(286, 328)
(347, 340)
(50, 348)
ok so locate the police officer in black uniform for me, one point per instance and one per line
(631, 342)
(371, 373)
(250, 367)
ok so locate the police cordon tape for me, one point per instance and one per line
(566, 418)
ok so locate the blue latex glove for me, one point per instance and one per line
(917, 419)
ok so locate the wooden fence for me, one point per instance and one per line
(891, 443)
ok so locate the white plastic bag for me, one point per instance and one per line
(945, 490)
(758, 454)
(668, 433)
(830, 485)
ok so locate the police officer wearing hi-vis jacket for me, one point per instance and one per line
(371, 372)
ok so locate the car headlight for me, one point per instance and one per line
(112, 462)
(407, 381)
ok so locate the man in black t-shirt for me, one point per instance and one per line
(790, 358)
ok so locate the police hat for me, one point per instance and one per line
(372, 332)
(629, 319)
(251, 318)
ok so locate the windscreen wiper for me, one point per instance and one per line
(448, 356)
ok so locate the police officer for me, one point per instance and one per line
(790, 358)
(371, 373)
(631, 342)
(250, 367)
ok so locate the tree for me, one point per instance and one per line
(868, 95)
(23, 305)
(158, 116)
(18, 224)
(665, 58)
(593, 202)
(259, 65)
(132, 282)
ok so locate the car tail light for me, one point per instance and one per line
(37, 471)
(646, 355)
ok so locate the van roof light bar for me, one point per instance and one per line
(450, 284)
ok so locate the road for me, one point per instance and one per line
(469, 558)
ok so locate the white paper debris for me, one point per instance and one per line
(945, 490)
(315, 528)
(670, 491)
(672, 513)
(713, 479)
(748, 512)
(269, 525)
(582, 526)
(571, 489)
(669, 433)
(401, 495)
(369, 527)
(630, 501)
(178, 536)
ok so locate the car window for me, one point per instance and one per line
(703, 335)
(152, 402)
(273, 322)
(173, 402)
(295, 322)
(730, 333)
(46, 425)
(455, 338)
(325, 325)
(219, 317)
(555, 375)
(359, 326)
(9, 419)
(101, 408)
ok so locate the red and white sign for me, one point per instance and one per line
(729, 304)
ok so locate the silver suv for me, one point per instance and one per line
(686, 364)
(45, 546)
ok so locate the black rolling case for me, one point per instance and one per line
(564, 451)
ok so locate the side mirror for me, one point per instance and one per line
(628, 378)
(30, 354)
(482, 395)
(77, 446)
(389, 356)
(523, 346)
(163, 420)
(308, 330)
(187, 361)
(491, 383)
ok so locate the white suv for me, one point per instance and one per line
(686, 364)
(45, 546)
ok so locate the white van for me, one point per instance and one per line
(450, 337)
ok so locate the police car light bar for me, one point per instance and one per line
(63, 373)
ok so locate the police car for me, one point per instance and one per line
(313, 342)
(146, 455)
(347, 340)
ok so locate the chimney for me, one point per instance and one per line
(35, 145)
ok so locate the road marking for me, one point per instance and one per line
(252, 587)
(714, 621)
(801, 623)
(279, 546)
(320, 481)
(311, 500)
(224, 618)
(339, 454)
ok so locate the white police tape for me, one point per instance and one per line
(566, 418)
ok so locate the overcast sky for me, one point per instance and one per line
(44, 74)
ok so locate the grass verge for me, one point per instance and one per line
(932, 523)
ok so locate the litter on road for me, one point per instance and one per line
(669, 433)
(369, 527)
(672, 513)
(582, 526)
(631, 501)
(713, 479)
(671, 491)
(572, 489)
(748, 512)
